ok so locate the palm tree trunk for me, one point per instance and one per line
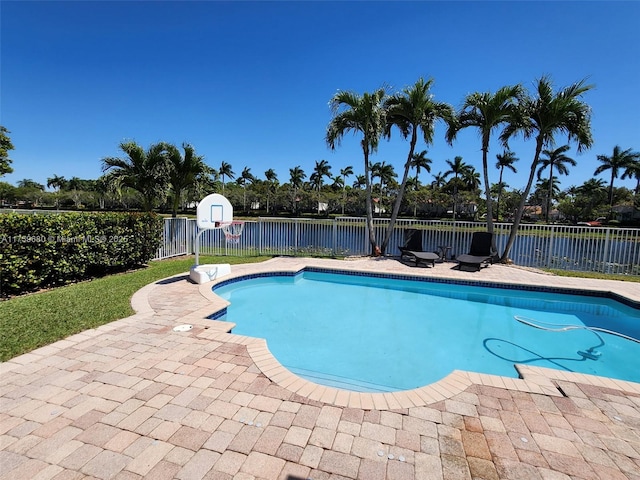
(516, 221)
(396, 204)
(369, 203)
(611, 192)
(549, 192)
(499, 195)
(487, 191)
(176, 204)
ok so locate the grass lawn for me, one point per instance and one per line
(35, 320)
(602, 276)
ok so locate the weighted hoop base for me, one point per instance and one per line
(208, 273)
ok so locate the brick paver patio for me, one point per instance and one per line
(135, 399)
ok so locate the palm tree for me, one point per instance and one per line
(146, 172)
(506, 159)
(594, 193)
(296, 177)
(543, 116)
(554, 158)
(486, 112)
(225, 171)
(633, 171)
(360, 182)
(363, 114)
(28, 183)
(344, 173)
(245, 177)
(471, 179)
(439, 180)
(619, 160)
(272, 180)
(543, 187)
(74, 184)
(386, 174)
(413, 111)
(57, 183)
(420, 161)
(321, 170)
(186, 172)
(457, 168)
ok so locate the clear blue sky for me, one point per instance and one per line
(249, 83)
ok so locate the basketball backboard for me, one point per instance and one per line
(213, 211)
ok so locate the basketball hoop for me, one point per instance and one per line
(233, 231)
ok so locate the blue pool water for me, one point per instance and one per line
(370, 333)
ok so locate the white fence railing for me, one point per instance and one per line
(582, 248)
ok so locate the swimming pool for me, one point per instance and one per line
(374, 333)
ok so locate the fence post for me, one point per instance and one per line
(334, 249)
(605, 252)
(296, 231)
(260, 236)
(551, 238)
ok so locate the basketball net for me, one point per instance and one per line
(233, 231)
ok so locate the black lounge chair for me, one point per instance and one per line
(480, 252)
(412, 249)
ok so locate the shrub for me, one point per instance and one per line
(41, 251)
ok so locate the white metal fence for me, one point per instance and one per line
(608, 250)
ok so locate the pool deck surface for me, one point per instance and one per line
(135, 399)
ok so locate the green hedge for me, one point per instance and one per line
(42, 251)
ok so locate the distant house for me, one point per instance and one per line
(533, 212)
(626, 213)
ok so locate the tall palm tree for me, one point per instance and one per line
(225, 171)
(616, 162)
(419, 161)
(486, 111)
(506, 159)
(272, 180)
(296, 178)
(245, 178)
(344, 173)
(543, 116)
(633, 171)
(554, 158)
(322, 169)
(413, 112)
(364, 114)
(146, 172)
(187, 172)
